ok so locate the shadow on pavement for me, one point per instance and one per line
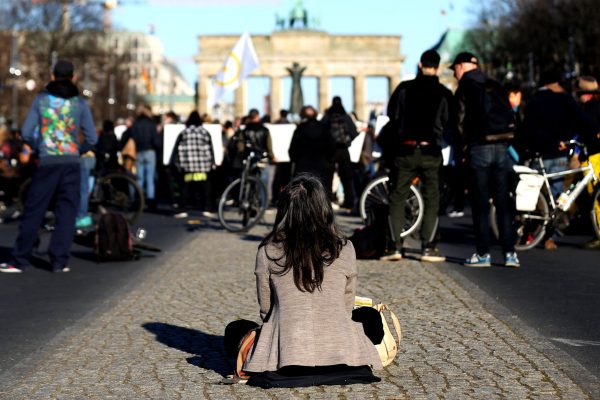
(208, 349)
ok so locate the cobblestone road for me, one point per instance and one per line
(164, 339)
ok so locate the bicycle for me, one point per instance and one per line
(377, 192)
(531, 225)
(244, 201)
(113, 192)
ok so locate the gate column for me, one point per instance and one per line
(324, 96)
(360, 98)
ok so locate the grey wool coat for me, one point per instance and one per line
(308, 329)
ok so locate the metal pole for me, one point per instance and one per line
(15, 72)
(111, 96)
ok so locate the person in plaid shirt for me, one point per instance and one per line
(194, 155)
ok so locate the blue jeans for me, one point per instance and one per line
(87, 164)
(146, 169)
(51, 183)
(553, 165)
(490, 176)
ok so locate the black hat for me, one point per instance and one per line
(551, 74)
(63, 69)
(430, 59)
(464, 57)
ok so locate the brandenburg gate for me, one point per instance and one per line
(323, 55)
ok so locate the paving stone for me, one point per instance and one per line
(164, 339)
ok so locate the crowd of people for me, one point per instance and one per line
(486, 124)
(304, 268)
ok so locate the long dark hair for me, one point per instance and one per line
(306, 232)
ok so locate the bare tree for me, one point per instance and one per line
(66, 29)
(525, 36)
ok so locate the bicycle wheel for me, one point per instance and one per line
(376, 193)
(529, 226)
(595, 211)
(117, 193)
(242, 208)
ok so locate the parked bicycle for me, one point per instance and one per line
(376, 193)
(243, 203)
(533, 220)
(113, 192)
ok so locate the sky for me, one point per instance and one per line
(178, 23)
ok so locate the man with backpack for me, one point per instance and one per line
(51, 130)
(485, 127)
(342, 129)
(419, 111)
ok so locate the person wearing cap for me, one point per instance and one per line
(552, 118)
(587, 91)
(420, 110)
(51, 130)
(487, 161)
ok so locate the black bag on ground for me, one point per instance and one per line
(370, 241)
(500, 119)
(113, 240)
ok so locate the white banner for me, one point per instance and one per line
(281, 138)
(356, 147)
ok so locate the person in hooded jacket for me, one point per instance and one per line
(50, 129)
(343, 130)
(312, 148)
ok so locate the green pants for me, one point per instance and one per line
(406, 167)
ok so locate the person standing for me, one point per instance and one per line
(343, 130)
(312, 148)
(258, 137)
(51, 130)
(194, 155)
(420, 110)
(145, 136)
(552, 118)
(485, 132)
(589, 96)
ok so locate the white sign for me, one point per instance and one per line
(172, 131)
(356, 147)
(119, 130)
(381, 121)
(281, 138)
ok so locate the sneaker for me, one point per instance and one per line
(592, 245)
(209, 214)
(181, 215)
(550, 244)
(394, 255)
(10, 269)
(63, 269)
(478, 261)
(511, 260)
(456, 214)
(432, 254)
(83, 222)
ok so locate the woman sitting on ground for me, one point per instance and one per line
(306, 279)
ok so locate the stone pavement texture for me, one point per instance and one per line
(163, 340)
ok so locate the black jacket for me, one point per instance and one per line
(592, 110)
(470, 122)
(144, 134)
(312, 148)
(259, 137)
(421, 109)
(550, 118)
